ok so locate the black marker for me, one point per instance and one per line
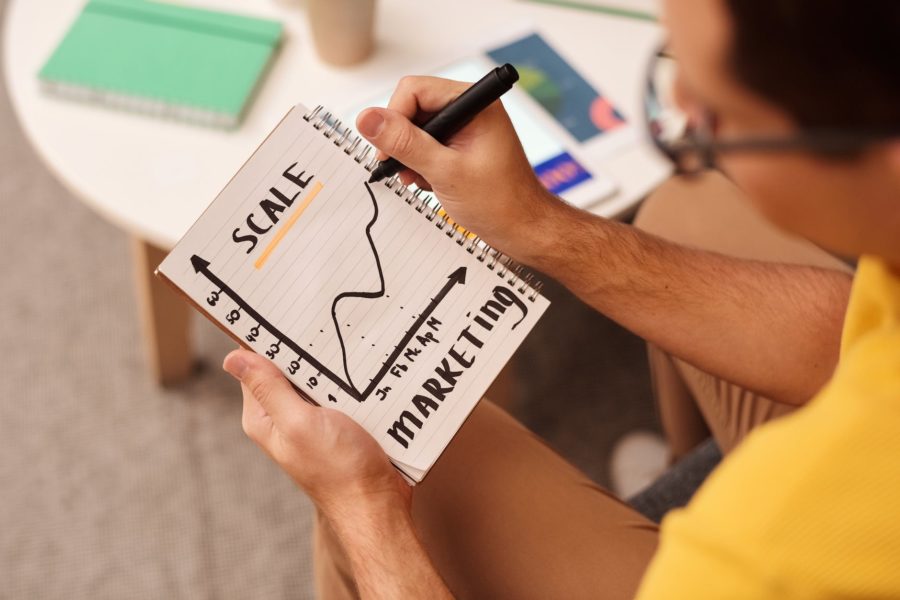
(458, 113)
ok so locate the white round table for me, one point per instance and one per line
(154, 177)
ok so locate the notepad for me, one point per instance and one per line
(367, 296)
(190, 64)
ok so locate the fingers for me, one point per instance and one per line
(409, 177)
(395, 135)
(269, 389)
(415, 95)
(255, 421)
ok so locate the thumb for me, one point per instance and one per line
(267, 384)
(399, 138)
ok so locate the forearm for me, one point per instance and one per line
(774, 329)
(387, 558)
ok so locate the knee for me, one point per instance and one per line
(659, 210)
(689, 210)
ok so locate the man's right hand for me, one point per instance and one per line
(482, 177)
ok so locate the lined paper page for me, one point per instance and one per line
(365, 304)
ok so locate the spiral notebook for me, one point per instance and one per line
(368, 297)
(163, 59)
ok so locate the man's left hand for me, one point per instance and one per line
(337, 462)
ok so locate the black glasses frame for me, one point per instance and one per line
(697, 149)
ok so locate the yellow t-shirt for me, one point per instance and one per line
(808, 506)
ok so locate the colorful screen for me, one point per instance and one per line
(558, 89)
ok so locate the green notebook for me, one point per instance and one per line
(186, 63)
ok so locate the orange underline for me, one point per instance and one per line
(279, 235)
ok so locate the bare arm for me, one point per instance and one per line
(771, 328)
(387, 558)
(347, 475)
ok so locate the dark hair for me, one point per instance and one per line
(831, 64)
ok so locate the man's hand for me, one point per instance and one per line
(482, 177)
(347, 475)
(713, 311)
(329, 455)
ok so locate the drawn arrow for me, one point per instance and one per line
(202, 266)
(456, 277)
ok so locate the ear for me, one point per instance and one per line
(892, 161)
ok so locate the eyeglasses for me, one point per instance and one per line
(690, 141)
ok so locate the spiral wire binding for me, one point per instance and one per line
(354, 146)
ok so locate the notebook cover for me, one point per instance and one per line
(167, 54)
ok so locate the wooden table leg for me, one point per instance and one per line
(165, 318)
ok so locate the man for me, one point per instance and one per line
(797, 102)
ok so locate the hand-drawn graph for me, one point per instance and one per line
(370, 295)
(344, 381)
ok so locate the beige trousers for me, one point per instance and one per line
(503, 516)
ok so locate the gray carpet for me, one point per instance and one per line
(113, 488)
